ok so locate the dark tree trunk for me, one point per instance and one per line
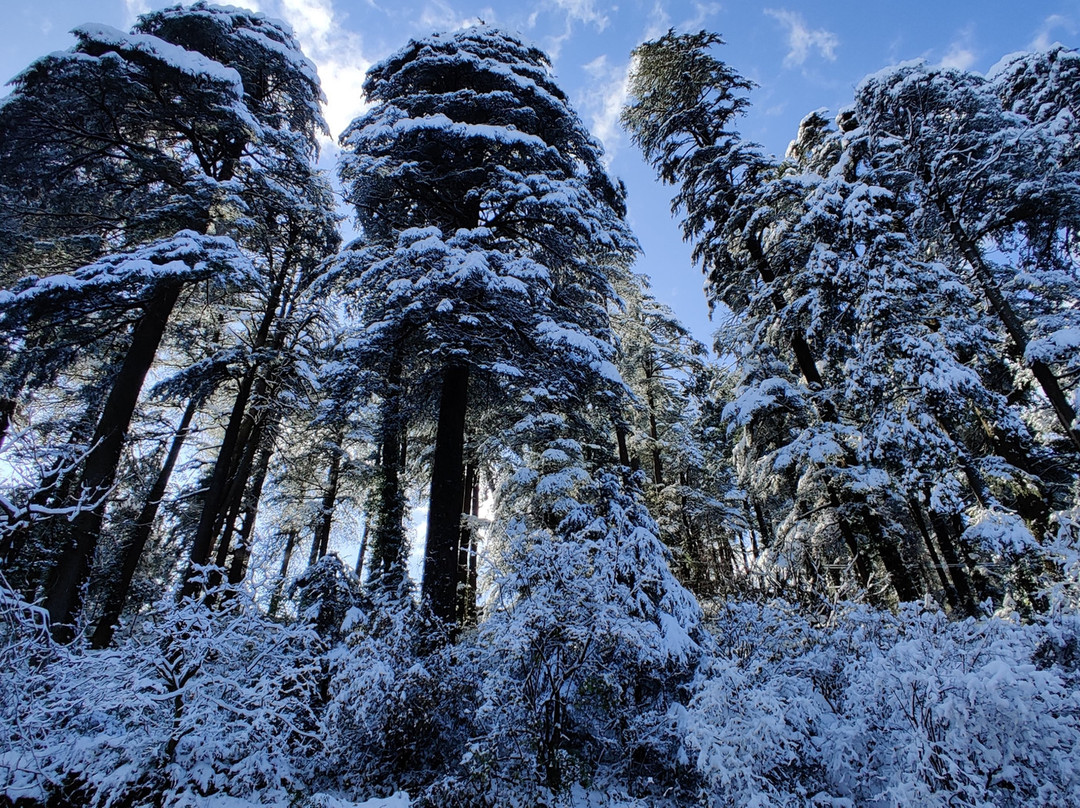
(325, 519)
(1064, 411)
(279, 584)
(862, 564)
(467, 549)
(444, 515)
(362, 552)
(63, 599)
(256, 444)
(928, 541)
(222, 480)
(620, 438)
(387, 570)
(233, 445)
(957, 568)
(118, 588)
(7, 412)
(242, 553)
(654, 436)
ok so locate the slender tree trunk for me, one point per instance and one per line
(862, 564)
(243, 481)
(279, 584)
(387, 570)
(654, 437)
(766, 531)
(466, 612)
(928, 541)
(118, 588)
(326, 510)
(620, 437)
(242, 553)
(444, 515)
(233, 443)
(1042, 372)
(221, 480)
(899, 573)
(63, 599)
(7, 412)
(957, 569)
(362, 552)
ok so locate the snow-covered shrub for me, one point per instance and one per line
(201, 706)
(324, 594)
(959, 714)
(752, 725)
(589, 641)
(399, 700)
(889, 710)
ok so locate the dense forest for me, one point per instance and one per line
(589, 562)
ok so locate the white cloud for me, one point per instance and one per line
(603, 100)
(961, 54)
(959, 57)
(583, 11)
(702, 12)
(802, 40)
(338, 53)
(439, 15)
(659, 21)
(134, 8)
(1043, 39)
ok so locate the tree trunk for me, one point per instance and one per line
(242, 553)
(118, 589)
(467, 549)
(326, 510)
(279, 584)
(928, 541)
(444, 515)
(233, 443)
(63, 598)
(387, 571)
(957, 569)
(362, 552)
(1066, 415)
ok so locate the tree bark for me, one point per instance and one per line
(1066, 415)
(63, 599)
(387, 572)
(279, 584)
(119, 588)
(230, 453)
(242, 552)
(439, 588)
(326, 510)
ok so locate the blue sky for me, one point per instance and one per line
(803, 55)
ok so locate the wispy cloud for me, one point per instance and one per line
(603, 100)
(961, 53)
(802, 40)
(133, 8)
(658, 21)
(702, 12)
(338, 52)
(1044, 39)
(583, 11)
(439, 15)
(574, 12)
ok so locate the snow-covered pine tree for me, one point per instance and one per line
(95, 137)
(493, 236)
(667, 371)
(997, 200)
(742, 210)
